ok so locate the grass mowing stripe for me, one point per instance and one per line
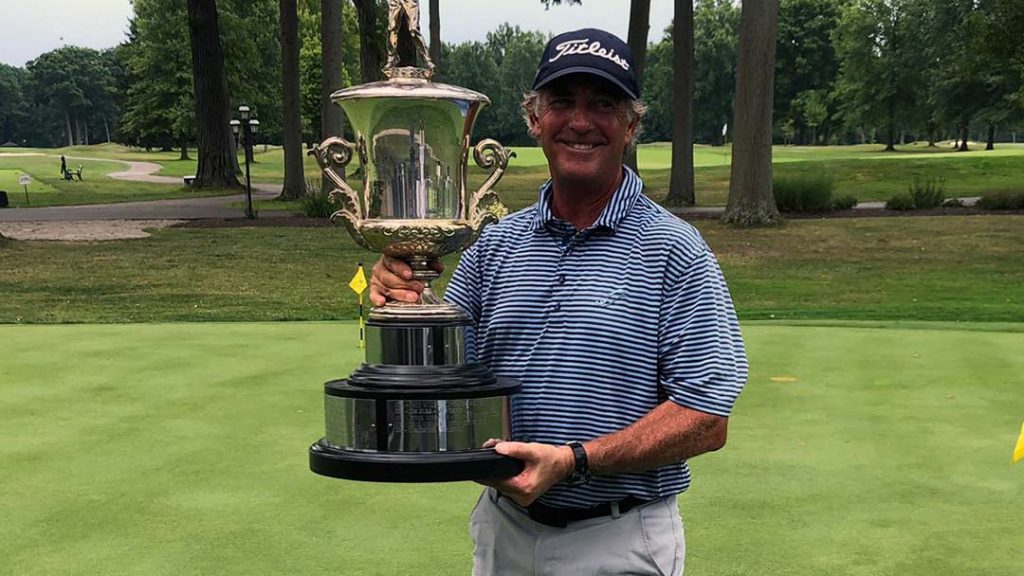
(180, 449)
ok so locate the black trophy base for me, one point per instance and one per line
(479, 464)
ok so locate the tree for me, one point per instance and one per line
(435, 32)
(216, 158)
(715, 35)
(805, 67)
(74, 86)
(681, 185)
(879, 66)
(636, 38)
(159, 106)
(370, 38)
(333, 72)
(291, 124)
(14, 113)
(750, 184)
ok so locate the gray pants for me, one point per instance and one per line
(646, 540)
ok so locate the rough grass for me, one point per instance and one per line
(921, 268)
(181, 449)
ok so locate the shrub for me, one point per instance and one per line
(1002, 201)
(805, 193)
(927, 192)
(315, 202)
(844, 202)
(900, 202)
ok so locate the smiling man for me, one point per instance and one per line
(615, 317)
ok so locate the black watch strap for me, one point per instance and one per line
(581, 472)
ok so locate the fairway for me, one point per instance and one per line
(181, 449)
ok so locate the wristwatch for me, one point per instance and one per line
(581, 472)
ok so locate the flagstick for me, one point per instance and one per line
(362, 339)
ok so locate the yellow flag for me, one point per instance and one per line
(358, 283)
(1018, 452)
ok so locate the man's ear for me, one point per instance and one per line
(534, 125)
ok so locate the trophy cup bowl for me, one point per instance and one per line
(416, 410)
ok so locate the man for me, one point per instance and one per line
(616, 319)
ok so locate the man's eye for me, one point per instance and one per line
(559, 102)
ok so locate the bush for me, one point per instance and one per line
(927, 192)
(900, 202)
(315, 202)
(844, 202)
(806, 193)
(1002, 201)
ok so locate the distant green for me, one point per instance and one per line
(864, 171)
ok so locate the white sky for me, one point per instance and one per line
(29, 28)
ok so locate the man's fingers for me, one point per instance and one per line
(392, 280)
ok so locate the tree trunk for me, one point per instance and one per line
(890, 142)
(106, 128)
(639, 24)
(67, 124)
(332, 117)
(990, 144)
(183, 145)
(213, 134)
(370, 56)
(964, 132)
(435, 33)
(78, 130)
(681, 187)
(291, 123)
(751, 202)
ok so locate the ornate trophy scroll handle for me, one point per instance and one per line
(333, 154)
(485, 207)
(411, 10)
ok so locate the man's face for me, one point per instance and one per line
(583, 129)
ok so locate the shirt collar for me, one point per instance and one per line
(616, 209)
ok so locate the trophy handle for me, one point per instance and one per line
(333, 154)
(484, 206)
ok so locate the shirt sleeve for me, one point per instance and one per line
(702, 363)
(464, 288)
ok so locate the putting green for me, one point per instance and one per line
(181, 449)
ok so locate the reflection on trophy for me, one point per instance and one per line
(416, 410)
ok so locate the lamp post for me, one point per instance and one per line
(248, 126)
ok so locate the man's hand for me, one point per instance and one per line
(546, 465)
(391, 278)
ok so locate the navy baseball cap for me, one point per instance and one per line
(588, 51)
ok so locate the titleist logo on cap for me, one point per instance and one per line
(585, 46)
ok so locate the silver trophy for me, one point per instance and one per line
(415, 411)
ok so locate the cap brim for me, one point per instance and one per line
(585, 70)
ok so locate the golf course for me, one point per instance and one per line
(160, 394)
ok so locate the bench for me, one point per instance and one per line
(189, 180)
(69, 175)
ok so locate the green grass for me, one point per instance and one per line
(48, 188)
(865, 171)
(956, 269)
(181, 449)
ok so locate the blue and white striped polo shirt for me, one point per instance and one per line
(601, 326)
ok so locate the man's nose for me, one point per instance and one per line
(580, 119)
